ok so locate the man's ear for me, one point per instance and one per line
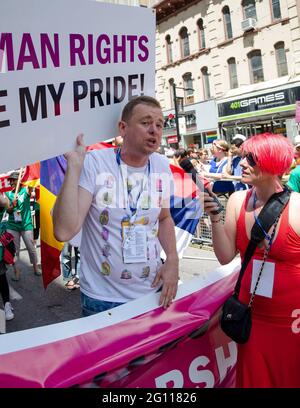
(122, 127)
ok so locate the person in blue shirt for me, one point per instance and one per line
(217, 166)
(233, 166)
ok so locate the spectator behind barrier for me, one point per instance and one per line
(219, 150)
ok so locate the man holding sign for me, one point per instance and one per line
(120, 199)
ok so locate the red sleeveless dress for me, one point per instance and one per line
(271, 357)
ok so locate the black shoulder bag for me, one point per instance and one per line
(236, 317)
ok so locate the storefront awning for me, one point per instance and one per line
(261, 87)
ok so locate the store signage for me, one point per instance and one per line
(172, 139)
(260, 102)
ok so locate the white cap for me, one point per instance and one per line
(169, 152)
(239, 136)
(297, 141)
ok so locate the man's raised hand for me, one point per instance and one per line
(76, 157)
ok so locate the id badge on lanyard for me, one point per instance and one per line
(134, 245)
(134, 235)
(17, 216)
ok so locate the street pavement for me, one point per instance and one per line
(34, 306)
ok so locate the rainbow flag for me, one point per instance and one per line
(52, 176)
(185, 211)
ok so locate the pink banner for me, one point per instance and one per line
(182, 346)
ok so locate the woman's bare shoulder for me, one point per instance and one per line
(235, 202)
(237, 197)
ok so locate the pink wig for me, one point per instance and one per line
(272, 153)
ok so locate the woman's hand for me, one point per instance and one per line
(209, 206)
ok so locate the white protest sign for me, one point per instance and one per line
(68, 67)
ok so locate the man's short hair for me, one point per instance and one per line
(237, 142)
(238, 139)
(145, 100)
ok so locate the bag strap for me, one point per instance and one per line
(267, 217)
(273, 207)
(266, 253)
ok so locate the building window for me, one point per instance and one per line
(188, 88)
(249, 9)
(256, 68)
(171, 82)
(276, 12)
(190, 120)
(206, 85)
(201, 34)
(169, 49)
(184, 42)
(169, 122)
(281, 62)
(233, 79)
(227, 22)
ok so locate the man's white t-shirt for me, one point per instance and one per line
(104, 275)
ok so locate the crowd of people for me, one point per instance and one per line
(221, 165)
(118, 201)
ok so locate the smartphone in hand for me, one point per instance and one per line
(189, 168)
(220, 206)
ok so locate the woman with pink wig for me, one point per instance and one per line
(271, 357)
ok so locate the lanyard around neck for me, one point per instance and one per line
(268, 237)
(122, 167)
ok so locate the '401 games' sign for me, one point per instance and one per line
(269, 100)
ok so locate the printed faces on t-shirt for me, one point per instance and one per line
(110, 191)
